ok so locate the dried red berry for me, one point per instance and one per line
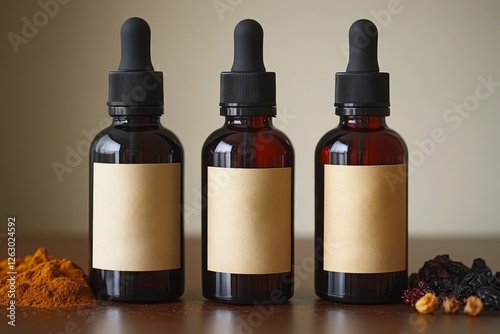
(411, 296)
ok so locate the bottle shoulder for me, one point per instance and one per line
(263, 147)
(124, 135)
(144, 144)
(216, 136)
(384, 136)
(345, 146)
(239, 136)
(169, 135)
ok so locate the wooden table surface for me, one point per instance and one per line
(305, 313)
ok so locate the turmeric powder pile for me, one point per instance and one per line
(45, 282)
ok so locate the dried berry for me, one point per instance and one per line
(495, 281)
(431, 267)
(490, 297)
(474, 306)
(441, 286)
(412, 295)
(470, 284)
(424, 287)
(456, 269)
(427, 304)
(479, 266)
(451, 306)
(441, 273)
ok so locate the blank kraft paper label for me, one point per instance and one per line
(365, 218)
(249, 220)
(136, 217)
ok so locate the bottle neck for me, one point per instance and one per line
(253, 109)
(249, 121)
(135, 120)
(363, 122)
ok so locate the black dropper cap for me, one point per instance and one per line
(248, 90)
(362, 89)
(135, 89)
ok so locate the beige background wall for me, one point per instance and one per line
(439, 53)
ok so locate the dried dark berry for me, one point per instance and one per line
(457, 279)
(442, 258)
(424, 287)
(470, 284)
(431, 267)
(490, 297)
(479, 266)
(495, 281)
(425, 273)
(441, 286)
(456, 269)
(441, 273)
(442, 267)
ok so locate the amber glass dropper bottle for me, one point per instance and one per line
(247, 179)
(361, 186)
(136, 243)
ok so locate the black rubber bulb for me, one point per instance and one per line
(248, 44)
(363, 39)
(136, 46)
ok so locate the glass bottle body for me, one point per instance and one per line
(136, 140)
(362, 141)
(245, 142)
